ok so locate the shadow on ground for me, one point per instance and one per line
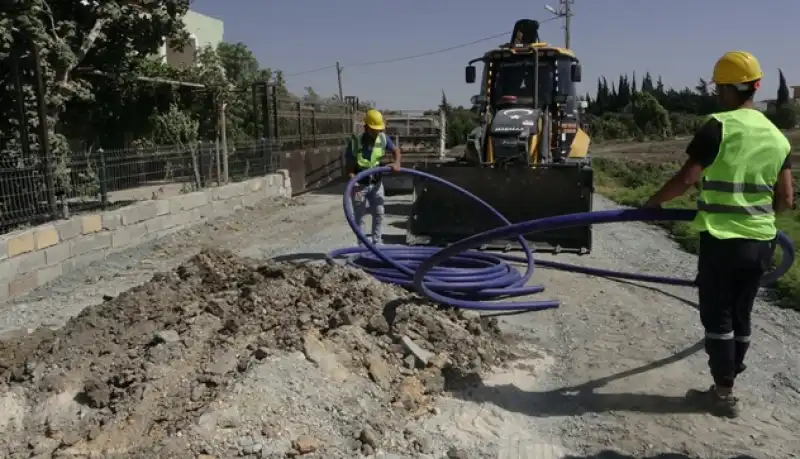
(578, 400)
(608, 454)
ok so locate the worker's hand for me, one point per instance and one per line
(395, 166)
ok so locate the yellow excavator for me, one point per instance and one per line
(528, 158)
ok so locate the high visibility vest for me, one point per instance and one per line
(736, 191)
(378, 150)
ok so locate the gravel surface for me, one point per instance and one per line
(605, 373)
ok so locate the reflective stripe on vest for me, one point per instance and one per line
(736, 191)
(378, 150)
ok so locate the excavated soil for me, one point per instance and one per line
(127, 377)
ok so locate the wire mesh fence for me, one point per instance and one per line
(103, 179)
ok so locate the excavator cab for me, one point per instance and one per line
(528, 158)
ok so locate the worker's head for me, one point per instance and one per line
(737, 75)
(373, 122)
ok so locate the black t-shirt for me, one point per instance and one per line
(704, 147)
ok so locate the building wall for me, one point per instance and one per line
(203, 31)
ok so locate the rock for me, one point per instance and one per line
(379, 371)
(198, 391)
(424, 444)
(166, 336)
(97, 393)
(456, 453)
(42, 445)
(315, 352)
(305, 444)
(412, 347)
(434, 383)
(410, 393)
(368, 437)
(254, 447)
(377, 324)
(223, 365)
(261, 353)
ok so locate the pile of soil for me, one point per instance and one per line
(144, 366)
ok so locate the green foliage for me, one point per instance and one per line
(460, 122)
(660, 113)
(631, 183)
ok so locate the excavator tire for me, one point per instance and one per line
(440, 215)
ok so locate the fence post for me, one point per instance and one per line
(44, 140)
(266, 152)
(200, 180)
(442, 134)
(103, 177)
(300, 122)
(314, 126)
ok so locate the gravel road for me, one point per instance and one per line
(603, 376)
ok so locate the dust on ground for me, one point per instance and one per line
(159, 370)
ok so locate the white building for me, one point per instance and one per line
(203, 31)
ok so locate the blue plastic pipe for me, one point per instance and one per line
(462, 277)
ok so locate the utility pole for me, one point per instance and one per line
(567, 8)
(339, 78)
(564, 11)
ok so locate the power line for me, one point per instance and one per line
(413, 56)
(428, 53)
(318, 69)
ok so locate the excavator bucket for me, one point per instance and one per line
(440, 215)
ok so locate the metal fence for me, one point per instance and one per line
(102, 179)
(307, 137)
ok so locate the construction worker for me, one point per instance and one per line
(741, 163)
(365, 152)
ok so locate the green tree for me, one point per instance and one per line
(651, 118)
(79, 45)
(783, 90)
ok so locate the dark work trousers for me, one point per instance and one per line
(729, 273)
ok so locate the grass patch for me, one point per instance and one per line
(631, 183)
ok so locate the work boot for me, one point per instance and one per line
(726, 406)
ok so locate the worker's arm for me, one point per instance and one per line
(702, 151)
(396, 155)
(784, 189)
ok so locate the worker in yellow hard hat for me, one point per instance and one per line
(741, 164)
(365, 152)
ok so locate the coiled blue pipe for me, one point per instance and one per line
(462, 277)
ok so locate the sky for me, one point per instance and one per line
(677, 39)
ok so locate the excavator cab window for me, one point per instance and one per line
(575, 73)
(515, 81)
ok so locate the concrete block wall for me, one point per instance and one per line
(33, 257)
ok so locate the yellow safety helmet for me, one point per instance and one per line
(374, 120)
(737, 67)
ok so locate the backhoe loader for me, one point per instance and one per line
(528, 158)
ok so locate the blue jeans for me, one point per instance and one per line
(370, 198)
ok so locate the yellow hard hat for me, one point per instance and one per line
(736, 67)
(374, 120)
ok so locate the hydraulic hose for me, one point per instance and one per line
(462, 277)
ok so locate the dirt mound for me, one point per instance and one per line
(139, 369)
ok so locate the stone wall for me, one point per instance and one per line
(32, 257)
